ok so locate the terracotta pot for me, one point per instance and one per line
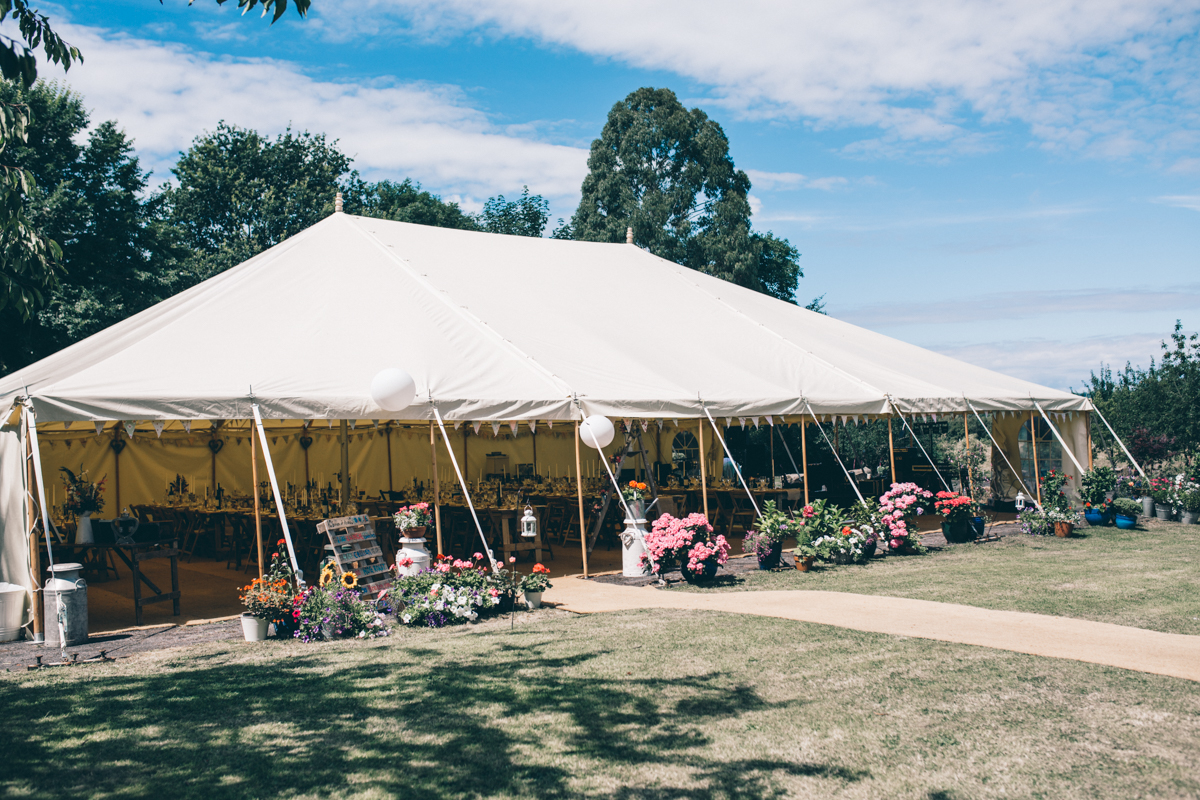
(1063, 529)
(804, 563)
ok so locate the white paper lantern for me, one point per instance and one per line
(393, 389)
(596, 431)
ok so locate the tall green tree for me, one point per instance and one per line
(89, 194)
(239, 192)
(406, 201)
(525, 216)
(665, 171)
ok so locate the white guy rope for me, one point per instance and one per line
(918, 441)
(466, 492)
(287, 534)
(1117, 439)
(1061, 440)
(732, 460)
(1000, 450)
(833, 450)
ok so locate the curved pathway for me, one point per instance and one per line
(1171, 654)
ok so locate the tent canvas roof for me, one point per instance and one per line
(492, 328)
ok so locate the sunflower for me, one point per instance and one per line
(326, 576)
(349, 580)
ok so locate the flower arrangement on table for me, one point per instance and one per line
(417, 515)
(687, 543)
(537, 581)
(772, 527)
(83, 496)
(901, 505)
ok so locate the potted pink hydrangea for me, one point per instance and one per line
(900, 506)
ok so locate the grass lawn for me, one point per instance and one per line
(652, 705)
(1144, 578)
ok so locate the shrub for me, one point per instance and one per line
(1127, 507)
(1097, 482)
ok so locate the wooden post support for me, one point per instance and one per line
(437, 491)
(387, 436)
(35, 549)
(579, 489)
(804, 455)
(771, 432)
(257, 511)
(703, 470)
(1087, 421)
(891, 449)
(117, 471)
(345, 429)
(1037, 481)
(967, 439)
(533, 436)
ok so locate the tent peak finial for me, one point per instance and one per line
(337, 203)
(629, 235)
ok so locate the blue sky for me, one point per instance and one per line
(1013, 182)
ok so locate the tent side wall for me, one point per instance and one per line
(14, 553)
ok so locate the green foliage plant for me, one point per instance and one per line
(1097, 482)
(771, 528)
(1127, 507)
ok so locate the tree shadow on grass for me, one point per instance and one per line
(509, 721)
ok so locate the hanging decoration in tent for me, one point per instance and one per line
(393, 389)
(99, 427)
(495, 429)
(512, 426)
(597, 431)
(130, 427)
(158, 427)
(375, 422)
(67, 425)
(476, 426)
(550, 423)
(187, 426)
(533, 426)
(771, 421)
(458, 424)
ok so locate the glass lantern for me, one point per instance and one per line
(528, 524)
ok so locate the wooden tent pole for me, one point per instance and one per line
(1037, 481)
(533, 433)
(117, 470)
(1087, 421)
(387, 436)
(804, 455)
(771, 431)
(579, 490)
(703, 470)
(891, 449)
(437, 491)
(345, 431)
(257, 510)
(967, 439)
(35, 550)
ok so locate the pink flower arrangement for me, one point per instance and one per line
(900, 507)
(672, 541)
(417, 515)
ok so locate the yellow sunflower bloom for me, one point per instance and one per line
(326, 577)
(349, 580)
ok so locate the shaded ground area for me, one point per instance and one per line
(654, 704)
(19, 655)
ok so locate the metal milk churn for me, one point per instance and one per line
(65, 585)
(633, 542)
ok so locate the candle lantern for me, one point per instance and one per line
(528, 524)
(1021, 501)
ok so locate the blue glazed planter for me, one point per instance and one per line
(979, 524)
(1125, 523)
(1094, 518)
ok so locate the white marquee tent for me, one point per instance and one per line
(493, 328)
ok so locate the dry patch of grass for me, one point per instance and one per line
(657, 705)
(1145, 578)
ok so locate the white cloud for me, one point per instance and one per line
(1059, 363)
(165, 94)
(773, 181)
(1025, 305)
(1112, 77)
(1189, 201)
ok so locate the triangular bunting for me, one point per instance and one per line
(512, 426)
(375, 422)
(352, 423)
(158, 427)
(533, 426)
(99, 427)
(476, 426)
(130, 427)
(645, 425)
(550, 424)
(742, 420)
(187, 426)
(770, 420)
(495, 429)
(68, 444)
(67, 425)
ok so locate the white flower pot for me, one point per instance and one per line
(83, 529)
(533, 600)
(254, 628)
